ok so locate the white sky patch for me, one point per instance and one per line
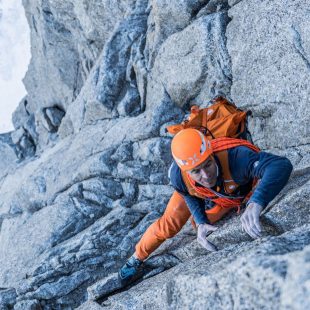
(14, 58)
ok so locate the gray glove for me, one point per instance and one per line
(205, 230)
(250, 220)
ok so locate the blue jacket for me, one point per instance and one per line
(245, 164)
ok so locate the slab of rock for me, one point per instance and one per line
(7, 297)
(268, 44)
(104, 287)
(112, 71)
(91, 253)
(130, 104)
(155, 150)
(166, 18)
(55, 116)
(194, 63)
(57, 72)
(28, 305)
(90, 305)
(62, 287)
(259, 272)
(8, 155)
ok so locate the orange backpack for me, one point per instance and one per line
(221, 119)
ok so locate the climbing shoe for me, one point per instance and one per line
(131, 271)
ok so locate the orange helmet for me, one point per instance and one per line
(190, 148)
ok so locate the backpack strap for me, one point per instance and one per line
(228, 183)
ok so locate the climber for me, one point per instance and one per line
(210, 177)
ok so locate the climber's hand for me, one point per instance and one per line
(250, 220)
(205, 230)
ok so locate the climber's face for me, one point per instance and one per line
(206, 173)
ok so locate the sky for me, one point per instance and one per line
(14, 59)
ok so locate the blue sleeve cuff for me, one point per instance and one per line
(261, 203)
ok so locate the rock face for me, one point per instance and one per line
(8, 154)
(84, 173)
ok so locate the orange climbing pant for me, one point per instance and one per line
(171, 222)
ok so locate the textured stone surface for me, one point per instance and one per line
(61, 287)
(166, 18)
(90, 305)
(8, 154)
(258, 273)
(194, 64)
(70, 35)
(104, 287)
(66, 39)
(269, 49)
(7, 297)
(28, 305)
(84, 173)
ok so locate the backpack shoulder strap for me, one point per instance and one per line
(228, 183)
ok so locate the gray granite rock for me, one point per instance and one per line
(55, 116)
(90, 305)
(257, 277)
(194, 64)
(28, 305)
(23, 139)
(21, 114)
(130, 104)
(84, 173)
(104, 287)
(153, 150)
(8, 153)
(123, 153)
(112, 71)
(297, 277)
(149, 191)
(165, 19)
(17, 135)
(67, 37)
(55, 25)
(133, 170)
(61, 287)
(87, 256)
(7, 297)
(269, 49)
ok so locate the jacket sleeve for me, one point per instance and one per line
(272, 170)
(195, 204)
(197, 209)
